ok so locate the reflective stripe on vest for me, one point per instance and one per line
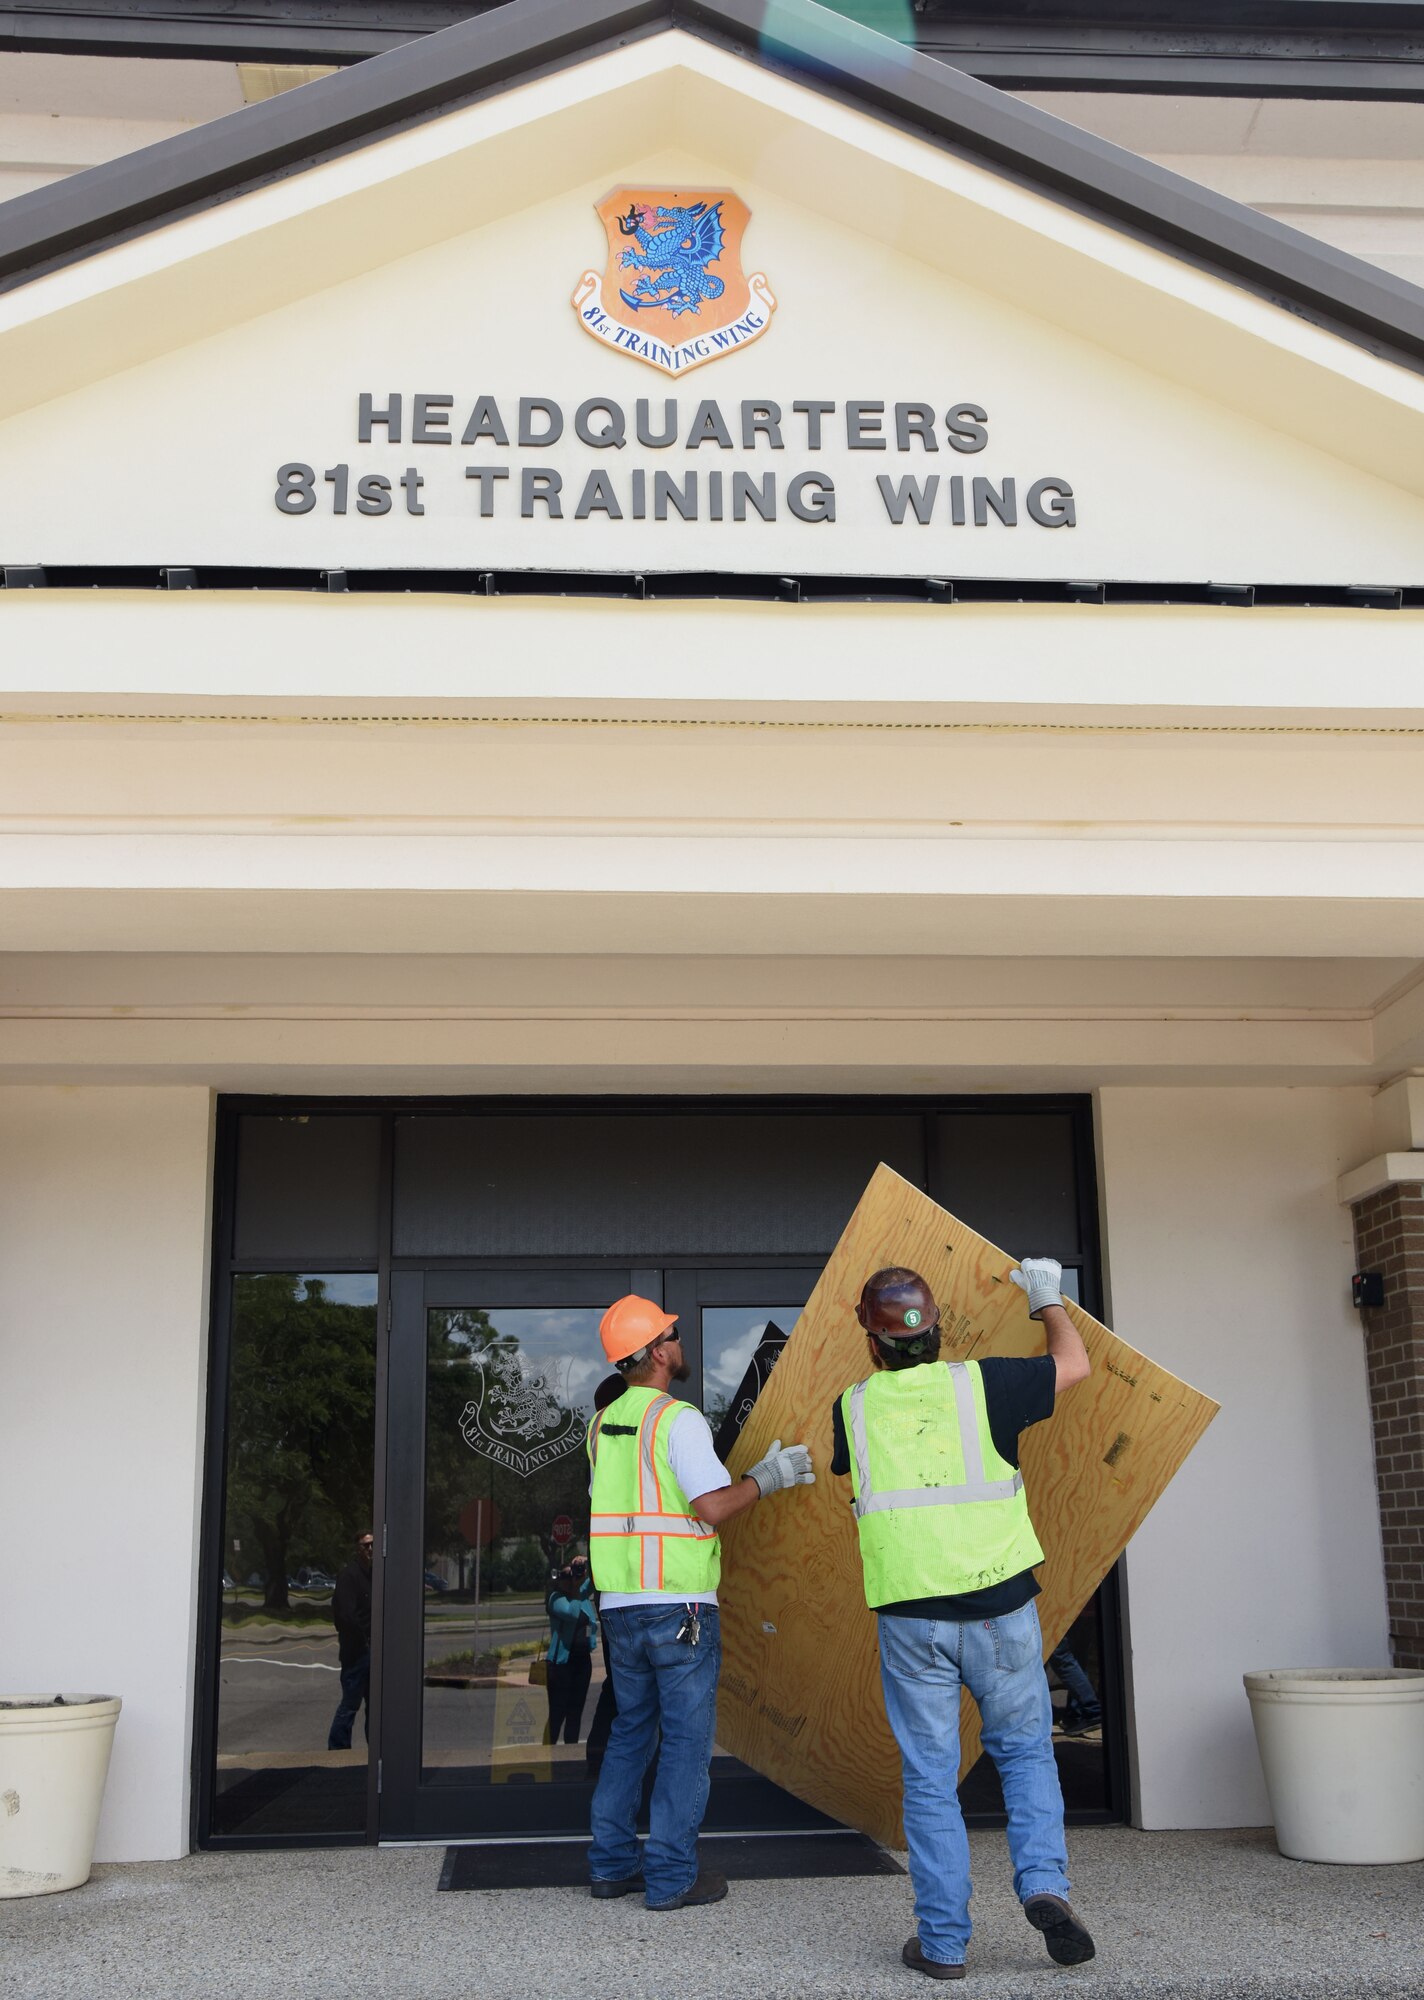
(653, 1525)
(649, 1524)
(975, 1486)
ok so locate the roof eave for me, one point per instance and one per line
(811, 45)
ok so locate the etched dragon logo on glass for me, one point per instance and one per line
(519, 1419)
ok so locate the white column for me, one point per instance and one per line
(104, 1203)
(1229, 1261)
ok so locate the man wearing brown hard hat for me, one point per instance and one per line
(657, 1495)
(948, 1550)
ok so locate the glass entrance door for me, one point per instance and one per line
(492, 1381)
(493, 1375)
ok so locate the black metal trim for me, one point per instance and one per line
(380, 1490)
(810, 44)
(823, 1103)
(214, 1480)
(756, 586)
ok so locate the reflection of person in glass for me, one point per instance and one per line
(1083, 1711)
(948, 1550)
(573, 1632)
(608, 1391)
(658, 1495)
(351, 1614)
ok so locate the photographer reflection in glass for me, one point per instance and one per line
(573, 1634)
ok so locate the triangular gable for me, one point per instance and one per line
(445, 197)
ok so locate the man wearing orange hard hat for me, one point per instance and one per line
(657, 1495)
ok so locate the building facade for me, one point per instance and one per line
(527, 773)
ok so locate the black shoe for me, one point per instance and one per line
(1079, 1721)
(935, 1967)
(1067, 1940)
(706, 1889)
(613, 1886)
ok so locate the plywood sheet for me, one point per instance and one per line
(800, 1693)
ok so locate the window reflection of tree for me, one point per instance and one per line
(457, 1474)
(302, 1403)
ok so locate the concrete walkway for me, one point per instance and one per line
(1202, 1916)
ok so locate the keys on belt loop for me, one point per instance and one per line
(690, 1630)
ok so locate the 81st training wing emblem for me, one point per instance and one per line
(673, 292)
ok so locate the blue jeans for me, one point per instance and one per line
(661, 1681)
(355, 1688)
(1082, 1695)
(923, 1663)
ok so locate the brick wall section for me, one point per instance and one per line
(1389, 1237)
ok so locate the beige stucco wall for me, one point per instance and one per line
(103, 1311)
(1228, 1260)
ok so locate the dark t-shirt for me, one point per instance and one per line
(1017, 1393)
(351, 1612)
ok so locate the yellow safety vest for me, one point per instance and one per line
(643, 1535)
(939, 1512)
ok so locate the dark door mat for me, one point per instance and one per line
(563, 1864)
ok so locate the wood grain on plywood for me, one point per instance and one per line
(800, 1693)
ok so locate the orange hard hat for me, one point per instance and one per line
(631, 1323)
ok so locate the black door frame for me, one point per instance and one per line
(388, 1269)
(409, 1809)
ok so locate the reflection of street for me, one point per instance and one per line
(483, 1720)
(494, 1730)
(504, 1621)
(280, 1684)
(279, 1688)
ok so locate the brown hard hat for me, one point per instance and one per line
(897, 1304)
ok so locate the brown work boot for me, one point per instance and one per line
(708, 1888)
(936, 1968)
(1067, 1939)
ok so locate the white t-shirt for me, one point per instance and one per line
(697, 1470)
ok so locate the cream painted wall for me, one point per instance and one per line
(1168, 483)
(103, 1308)
(1228, 1260)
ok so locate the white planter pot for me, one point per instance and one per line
(1343, 1754)
(54, 1758)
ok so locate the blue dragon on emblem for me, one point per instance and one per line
(675, 246)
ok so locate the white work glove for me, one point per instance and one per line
(1041, 1278)
(789, 1467)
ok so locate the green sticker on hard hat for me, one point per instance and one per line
(912, 1317)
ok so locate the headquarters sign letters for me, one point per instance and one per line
(673, 294)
